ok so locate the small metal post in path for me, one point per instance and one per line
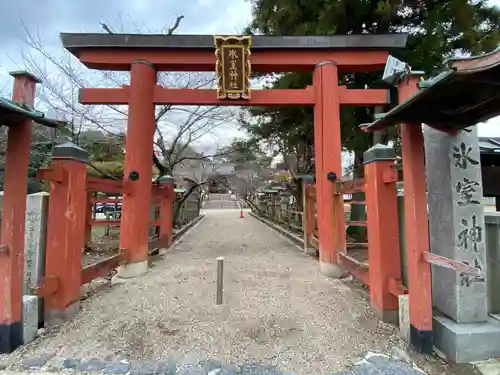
(220, 279)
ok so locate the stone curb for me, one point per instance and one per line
(296, 240)
(373, 363)
(180, 234)
(177, 236)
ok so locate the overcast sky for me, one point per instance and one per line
(50, 17)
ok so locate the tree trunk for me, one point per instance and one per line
(358, 170)
(379, 135)
(358, 208)
(299, 194)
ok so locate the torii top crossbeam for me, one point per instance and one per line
(195, 53)
(269, 53)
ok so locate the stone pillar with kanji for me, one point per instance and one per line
(456, 218)
(463, 329)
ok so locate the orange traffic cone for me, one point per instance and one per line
(241, 213)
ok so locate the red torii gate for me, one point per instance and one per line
(145, 55)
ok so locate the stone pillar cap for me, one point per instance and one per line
(24, 73)
(71, 151)
(379, 152)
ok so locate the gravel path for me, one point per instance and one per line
(278, 310)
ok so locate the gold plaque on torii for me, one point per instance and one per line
(232, 66)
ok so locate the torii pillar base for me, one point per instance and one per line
(331, 270)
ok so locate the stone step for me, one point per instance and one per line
(372, 363)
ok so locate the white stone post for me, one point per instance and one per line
(34, 261)
(34, 240)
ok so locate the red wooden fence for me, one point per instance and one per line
(69, 226)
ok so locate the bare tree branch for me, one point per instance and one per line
(177, 129)
(174, 27)
(106, 28)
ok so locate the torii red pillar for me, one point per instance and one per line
(13, 214)
(328, 146)
(138, 172)
(416, 226)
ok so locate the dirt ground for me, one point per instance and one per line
(277, 309)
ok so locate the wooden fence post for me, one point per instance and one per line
(416, 225)
(88, 218)
(167, 211)
(383, 235)
(66, 228)
(308, 219)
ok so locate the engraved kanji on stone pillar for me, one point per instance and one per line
(456, 222)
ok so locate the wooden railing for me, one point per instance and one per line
(67, 235)
(277, 208)
(189, 210)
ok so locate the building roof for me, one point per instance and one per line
(225, 169)
(489, 145)
(75, 42)
(463, 95)
(11, 113)
(215, 169)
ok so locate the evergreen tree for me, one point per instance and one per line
(437, 31)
